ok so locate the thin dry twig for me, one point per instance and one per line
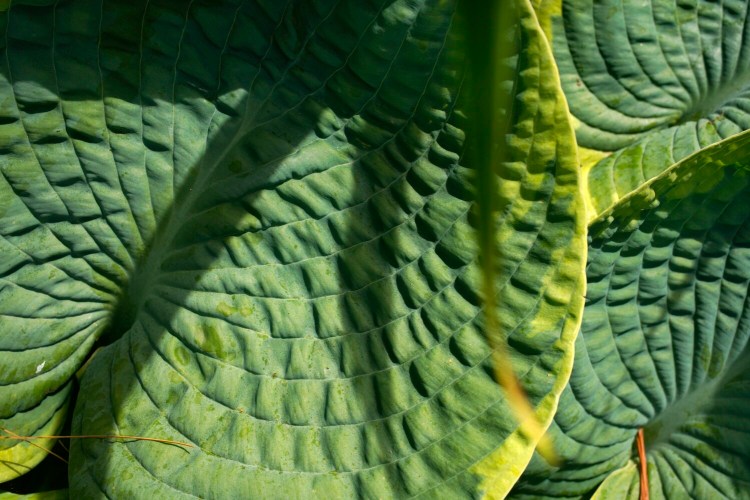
(29, 439)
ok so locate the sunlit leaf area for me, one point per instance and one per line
(302, 249)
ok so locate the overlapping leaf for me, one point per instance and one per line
(664, 341)
(650, 81)
(262, 206)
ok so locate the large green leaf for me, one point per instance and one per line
(261, 208)
(664, 341)
(650, 81)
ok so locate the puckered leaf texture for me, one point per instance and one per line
(664, 341)
(261, 210)
(649, 83)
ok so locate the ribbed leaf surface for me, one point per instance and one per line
(649, 81)
(664, 341)
(262, 206)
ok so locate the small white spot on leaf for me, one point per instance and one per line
(40, 366)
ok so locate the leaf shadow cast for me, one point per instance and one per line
(210, 265)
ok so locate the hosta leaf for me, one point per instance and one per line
(664, 340)
(18, 456)
(700, 448)
(650, 81)
(262, 207)
(620, 484)
(44, 495)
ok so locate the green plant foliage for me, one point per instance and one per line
(261, 210)
(45, 495)
(314, 240)
(649, 81)
(663, 343)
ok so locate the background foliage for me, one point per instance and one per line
(251, 226)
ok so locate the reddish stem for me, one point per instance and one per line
(643, 464)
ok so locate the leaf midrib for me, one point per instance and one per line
(716, 99)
